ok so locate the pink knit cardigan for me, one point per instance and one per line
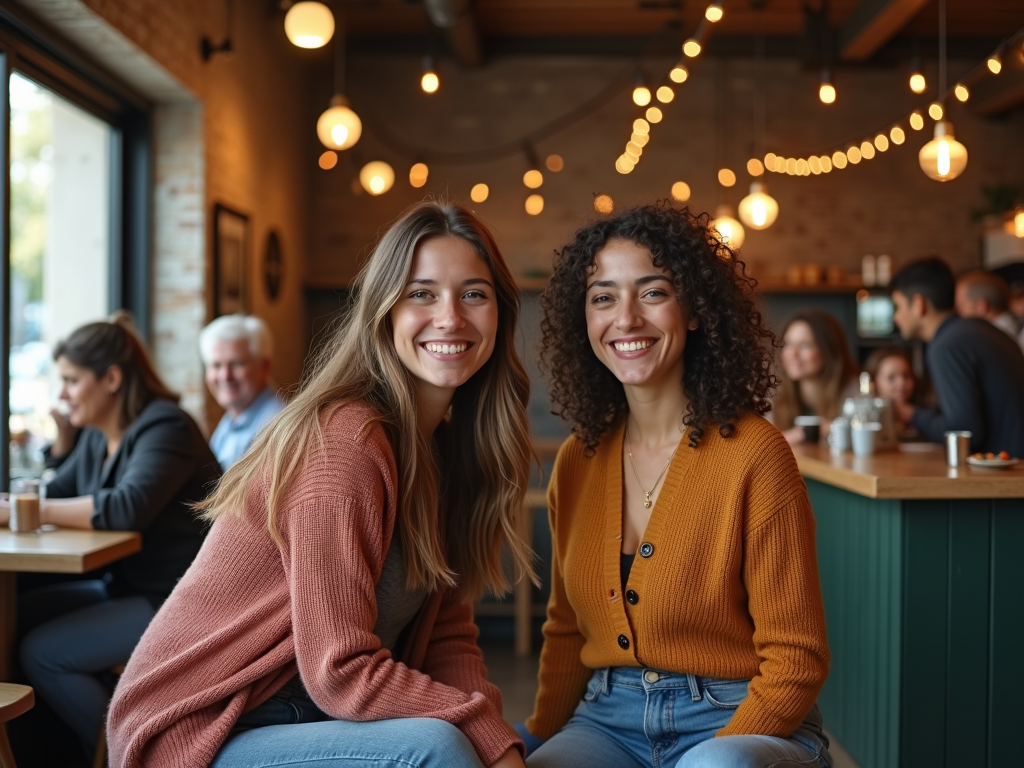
(248, 614)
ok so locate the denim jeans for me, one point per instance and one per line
(290, 730)
(643, 718)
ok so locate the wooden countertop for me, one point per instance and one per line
(906, 474)
(64, 550)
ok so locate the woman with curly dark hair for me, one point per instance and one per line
(661, 361)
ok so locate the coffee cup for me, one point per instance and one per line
(24, 503)
(839, 434)
(811, 426)
(958, 447)
(864, 437)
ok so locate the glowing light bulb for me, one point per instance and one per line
(943, 158)
(430, 82)
(917, 83)
(640, 139)
(534, 204)
(624, 164)
(827, 93)
(791, 166)
(339, 127)
(897, 135)
(555, 163)
(328, 160)
(726, 177)
(755, 167)
(309, 25)
(418, 174)
(758, 210)
(814, 163)
(1015, 224)
(801, 167)
(634, 149)
(680, 72)
(479, 193)
(994, 64)
(665, 94)
(881, 142)
(769, 161)
(935, 111)
(691, 48)
(853, 155)
(826, 164)
(916, 120)
(961, 92)
(641, 95)
(641, 126)
(839, 159)
(377, 177)
(533, 178)
(604, 204)
(728, 230)
(867, 150)
(713, 12)
(681, 191)
(654, 114)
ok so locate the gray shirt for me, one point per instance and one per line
(396, 603)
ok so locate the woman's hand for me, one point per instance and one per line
(510, 759)
(66, 433)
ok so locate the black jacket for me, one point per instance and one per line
(161, 467)
(977, 371)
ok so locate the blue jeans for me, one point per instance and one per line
(289, 730)
(626, 720)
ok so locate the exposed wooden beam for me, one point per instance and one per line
(872, 24)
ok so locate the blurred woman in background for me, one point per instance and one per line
(140, 464)
(893, 375)
(817, 372)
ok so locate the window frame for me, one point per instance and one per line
(56, 64)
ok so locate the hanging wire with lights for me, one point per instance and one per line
(944, 158)
(758, 210)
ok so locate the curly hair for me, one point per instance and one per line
(728, 360)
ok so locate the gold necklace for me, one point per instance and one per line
(647, 494)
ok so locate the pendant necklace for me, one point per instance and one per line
(647, 494)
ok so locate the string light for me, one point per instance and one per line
(691, 48)
(418, 175)
(827, 93)
(624, 164)
(665, 94)
(769, 161)
(897, 135)
(961, 92)
(554, 163)
(654, 114)
(376, 177)
(935, 111)
(917, 82)
(791, 166)
(339, 127)
(641, 126)
(943, 158)
(755, 167)
(916, 120)
(867, 150)
(479, 193)
(533, 178)
(853, 155)
(814, 163)
(633, 149)
(430, 82)
(309, 25)
(679, 73)
(640, 139)
(681, 191)
(713, 12)
(534, 205)
(839, 160)
(641, 93)
(328, 160)
(1015, 224)
(994, 63)
(726, 177)
(881, 142)
(826, 164)
(604, 204)
(801, 167)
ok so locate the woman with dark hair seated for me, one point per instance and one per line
(140, 464)
(685, 601)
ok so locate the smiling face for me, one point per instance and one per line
(446, 318)
(636, 324)
(91, 401)
(895, 379)
(235, 376)
(801, 355)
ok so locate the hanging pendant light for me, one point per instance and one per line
(339, 127)
(376, 177)
(309, 24)
(729, 231)
(758, 210)
(943, 158)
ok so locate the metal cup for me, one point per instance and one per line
(25, 506)
(958, 448)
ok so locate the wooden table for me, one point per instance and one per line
(922, 574)
(55, 551)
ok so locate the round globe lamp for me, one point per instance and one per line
(729, 231)
(309, 25)
(758, 210)
(943, 158)
(376, 177)
(339, 127)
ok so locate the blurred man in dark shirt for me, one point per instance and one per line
(976, 369)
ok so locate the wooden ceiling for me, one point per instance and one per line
(991, 19)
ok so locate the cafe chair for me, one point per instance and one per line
(99, 759)
(14, 700)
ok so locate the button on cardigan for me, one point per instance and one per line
(249, 613)
(727, 580)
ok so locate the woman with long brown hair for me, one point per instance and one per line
(140, 464)
(818, 372)
(328, 618)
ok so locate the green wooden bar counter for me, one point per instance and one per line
(922, 572)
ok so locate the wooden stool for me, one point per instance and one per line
(14, 700)
(99, 758)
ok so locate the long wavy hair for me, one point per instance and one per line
(837, 372)
(98, 346)
(728, 359)
(461, 493)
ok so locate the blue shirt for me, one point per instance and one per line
(232, 437)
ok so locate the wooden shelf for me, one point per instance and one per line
(769, 285)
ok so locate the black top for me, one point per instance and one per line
(161, 467)
(977, 371)
(625, 566)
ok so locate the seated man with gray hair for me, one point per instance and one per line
(237, 352)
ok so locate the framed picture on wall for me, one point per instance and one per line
(230, 259)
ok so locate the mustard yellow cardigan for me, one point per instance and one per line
(725, 583)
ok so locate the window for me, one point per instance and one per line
(60, 250)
